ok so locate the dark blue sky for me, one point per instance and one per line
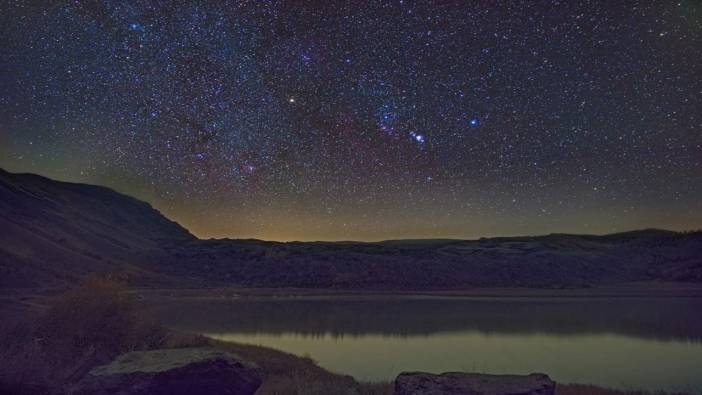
(365, 120)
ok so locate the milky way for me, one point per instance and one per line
(365, 120)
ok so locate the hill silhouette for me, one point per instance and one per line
(55, 232)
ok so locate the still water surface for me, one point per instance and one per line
(642, 343)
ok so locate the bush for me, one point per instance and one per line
(85, 327)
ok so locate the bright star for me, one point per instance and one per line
(417, 137)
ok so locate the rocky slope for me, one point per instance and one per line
(53, 232)
(543, 261)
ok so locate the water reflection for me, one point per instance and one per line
(617, 342)
(659, 318)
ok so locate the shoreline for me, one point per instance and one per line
(625, 290)
(17, 301)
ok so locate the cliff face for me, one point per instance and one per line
(54, 232)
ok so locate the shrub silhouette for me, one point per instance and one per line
(84, 327)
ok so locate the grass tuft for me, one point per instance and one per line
(586, 389)
(85, 327)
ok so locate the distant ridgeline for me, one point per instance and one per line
(53, 233)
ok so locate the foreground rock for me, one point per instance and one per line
(472, 384)
(173, 371)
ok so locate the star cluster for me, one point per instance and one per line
(365, 120)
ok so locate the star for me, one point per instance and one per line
(246, 114)
(417, 137)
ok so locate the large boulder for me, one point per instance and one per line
(183, 371)
(472, 384)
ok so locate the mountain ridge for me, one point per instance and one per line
(54, 232)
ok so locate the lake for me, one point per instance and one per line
(627, 342)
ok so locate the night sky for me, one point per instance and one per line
(365, 120)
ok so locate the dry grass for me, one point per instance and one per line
(85, 327)
(288, 374)
(585, 389)
(377, 389)
(385, 388)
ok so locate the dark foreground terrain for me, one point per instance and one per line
(52, 233)
(51, 348)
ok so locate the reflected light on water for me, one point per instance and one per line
(628, 343)
(608, 360)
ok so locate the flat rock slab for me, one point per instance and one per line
(472, 384)
(173, 371)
